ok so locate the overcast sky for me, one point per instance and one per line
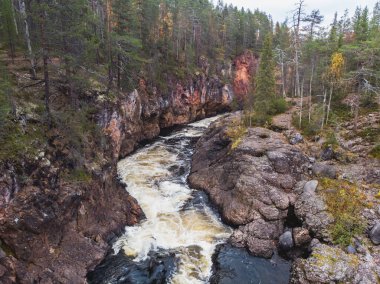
(280, 9)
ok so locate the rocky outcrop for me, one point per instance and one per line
(311, 209)
(252, 185)
(329, 264)
(245, 70)
(55, 235)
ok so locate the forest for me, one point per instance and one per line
(124, 42)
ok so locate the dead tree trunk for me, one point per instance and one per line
(27, 39)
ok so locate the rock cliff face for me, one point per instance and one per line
(245, 70)
(55, 231)
(140, 116)
(57, 235)
(253, 185)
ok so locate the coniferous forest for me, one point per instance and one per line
(86, 83)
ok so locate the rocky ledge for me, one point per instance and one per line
(277, 198)
(253, 185)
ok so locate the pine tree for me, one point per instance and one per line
(364, 25)
(375, 21)
(315, 19)
(8, 27)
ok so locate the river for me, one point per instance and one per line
(181, 231)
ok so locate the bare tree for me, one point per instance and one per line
(298, 15)
(27, 39)
(280, 54)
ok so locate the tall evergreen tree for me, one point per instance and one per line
(265, 91)
(8, 26)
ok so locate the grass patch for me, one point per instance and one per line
(236, 132)
(345, 202)
(18, 143)
(331, 140)
(375, 152)
(77, 176)
(370, 134)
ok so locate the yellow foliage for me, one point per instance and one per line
(236, 132)
(337, 65)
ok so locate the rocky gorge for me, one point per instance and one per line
(270, 185)
(54, 230)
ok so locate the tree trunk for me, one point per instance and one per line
(301, 107)
(297, 24)
(356, 104)
(45, 57)
(118, 72)
(310, 88)
(109, 44)
(329, 104)
(324, 107)
(27, 39)
(14, 17)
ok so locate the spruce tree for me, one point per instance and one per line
(266, 103)
(265, 81)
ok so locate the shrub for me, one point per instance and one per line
(331, 140)
(236, 131)
(277, 106)
(345, 203)
(370, 134)
(264, 111)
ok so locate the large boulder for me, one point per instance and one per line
(311, 209)
(375, 234)
(252, 184)
(286, 241)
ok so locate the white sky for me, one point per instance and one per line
(281, 9)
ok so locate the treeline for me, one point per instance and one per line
(124, 42)
(322, 65)
(128, 40)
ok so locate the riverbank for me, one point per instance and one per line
(279, 196)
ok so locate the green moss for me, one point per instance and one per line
(331, 140)
(370, 134)
(375, 152)
(17, 142)
(77, 176)
(345, 202)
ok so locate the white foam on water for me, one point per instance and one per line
(192, 233)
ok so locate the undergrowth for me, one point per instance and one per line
(375, 152)
(236, 132)
(345, 202)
